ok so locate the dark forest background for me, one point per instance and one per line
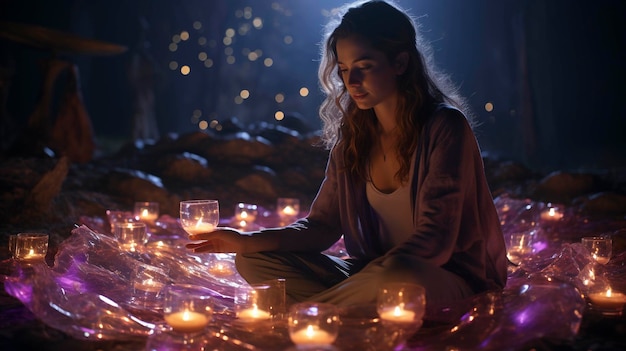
(545, 79)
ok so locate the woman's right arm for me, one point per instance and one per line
(316, 232)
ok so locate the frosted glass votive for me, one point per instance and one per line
(31, 246)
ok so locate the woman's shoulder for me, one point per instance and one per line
(448, 116)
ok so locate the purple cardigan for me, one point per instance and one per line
(455, 222)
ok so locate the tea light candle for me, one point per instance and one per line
(289, 211)
(552, 214)
(401, 302)
(288, 208)
(253, 314)
(312, 335)
(398, 314)
(187, 321)
(608, 299)
(199, 228)
(31, 246)
(312, 323)
(147, 211)
(148, 216)
(245, 213)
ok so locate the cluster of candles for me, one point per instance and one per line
(187, 309)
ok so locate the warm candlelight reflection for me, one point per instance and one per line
(31, 246)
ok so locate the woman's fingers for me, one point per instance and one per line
(213, 234)
(217, 241)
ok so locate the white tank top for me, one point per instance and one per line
(394, 213)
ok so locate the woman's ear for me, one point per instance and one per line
(401, 62)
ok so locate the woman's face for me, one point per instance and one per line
(367, 74)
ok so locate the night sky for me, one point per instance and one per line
(554, 71)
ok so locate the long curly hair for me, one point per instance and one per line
(421, 87)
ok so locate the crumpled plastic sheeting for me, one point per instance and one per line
(86, 292)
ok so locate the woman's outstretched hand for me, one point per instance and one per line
(220, 240)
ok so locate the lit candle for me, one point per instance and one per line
(253, 314)
(244, 215)
(608, 299)
(32, 255)
(31, 246)
(398, 314)
(601, 259)
(148, 216)
(551, 214)
(311, 335)
(187, 321)
(200, 227)
(289, 211)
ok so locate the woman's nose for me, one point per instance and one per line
(355, 77)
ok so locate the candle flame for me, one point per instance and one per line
(186, 315)
(608, 292)
(310, 332)
(144, 212)
(397, 311)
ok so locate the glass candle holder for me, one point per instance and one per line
(288, 209)
(187, 308)
(199, 216)
(313, 324)
(245, 214)
(519, 246)
(31, 246)
(599, 247)
(147, 285)
(607, 301)
(252, 303)
(401, 303)
(13, 245)
(131, 236)
(146, 211)
(278, 297)
(115, 216)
